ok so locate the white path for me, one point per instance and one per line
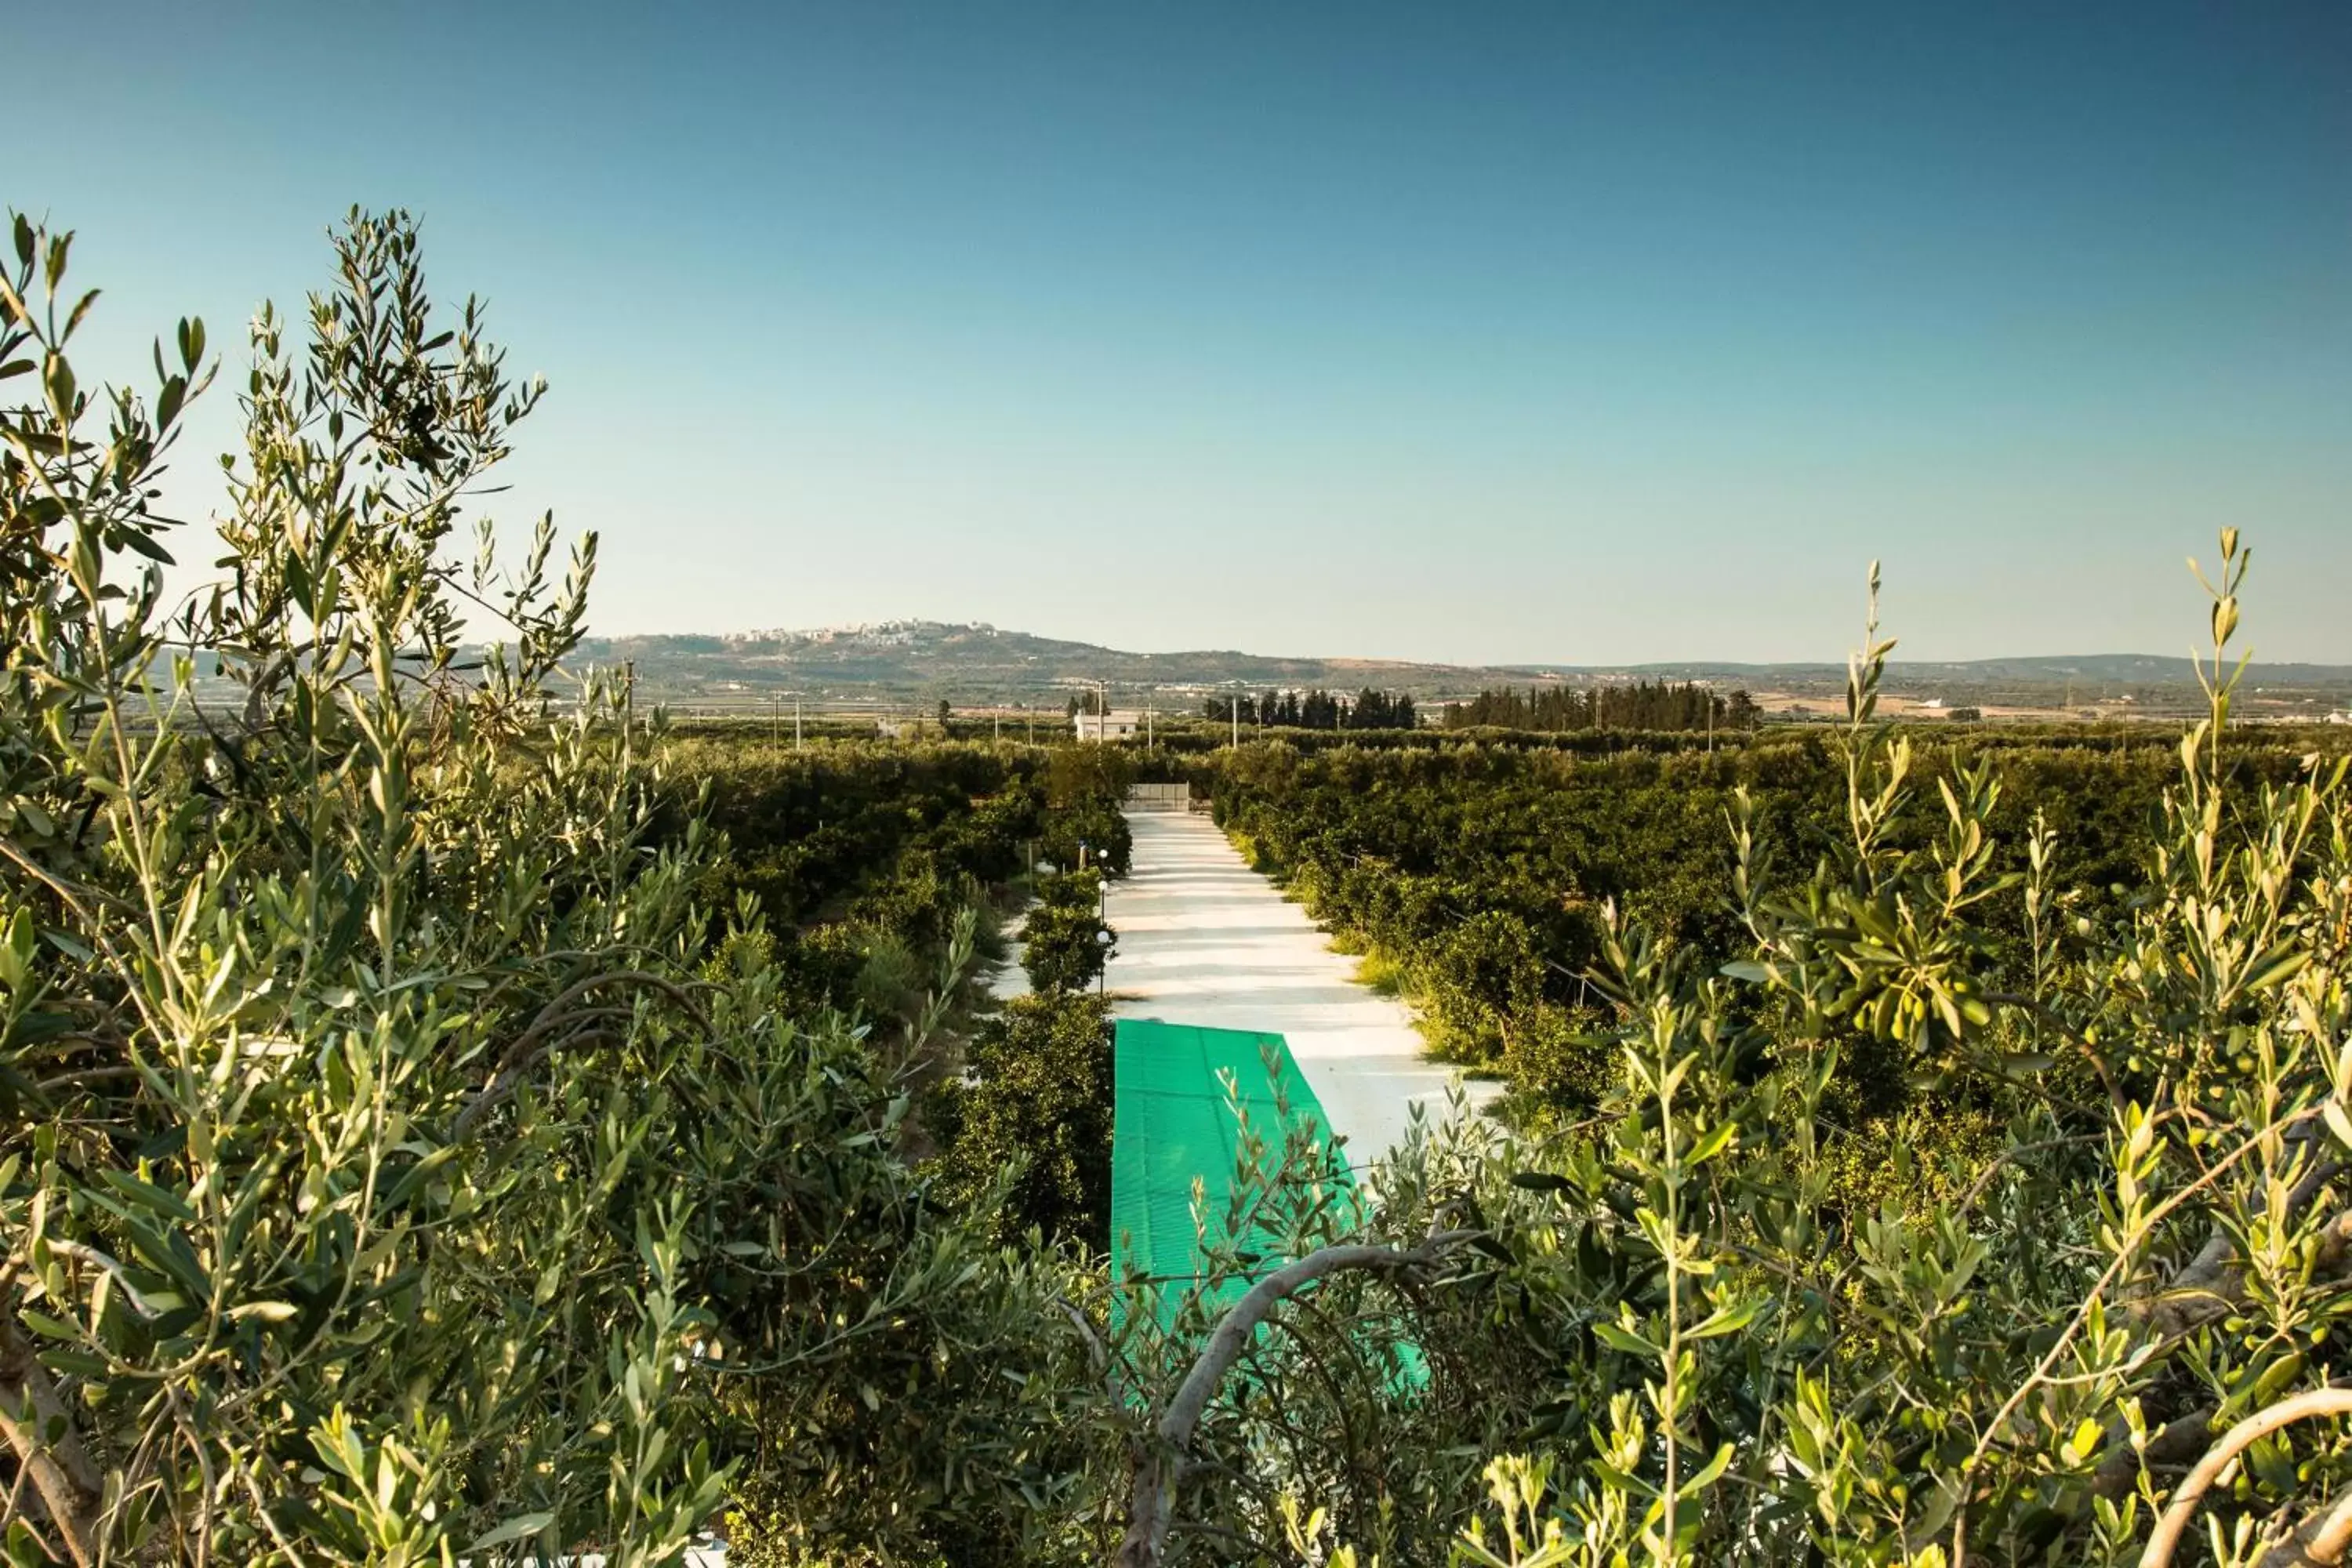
(1204, 940)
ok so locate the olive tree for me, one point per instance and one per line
(388, 1172)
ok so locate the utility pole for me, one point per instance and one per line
(796, 721)
(1237, 723)
(775, 722)
(1147, 716)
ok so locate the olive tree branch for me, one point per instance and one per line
(1160, 1462)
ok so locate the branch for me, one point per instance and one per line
(2213, 1282)
(1156, 1468)
(1095, 1351)
(99, 1260)
(2165, 1538)
(63, 1472)
(2170, 1445)
(2014, 1151)
(518, 1057)
(2074, 1037)
(2126, 1249)
(2320, 1542)
(69, 892)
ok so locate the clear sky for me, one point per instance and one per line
(1577, 332)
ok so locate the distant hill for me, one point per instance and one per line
(929, 661)
(983, 663)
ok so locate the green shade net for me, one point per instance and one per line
(1175, 1123)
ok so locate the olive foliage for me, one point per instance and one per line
(389, 1170)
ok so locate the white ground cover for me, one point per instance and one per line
(1008, 979)
(1203, 939)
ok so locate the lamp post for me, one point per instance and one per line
(1102, 936)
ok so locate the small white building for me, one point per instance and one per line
(1118, 724)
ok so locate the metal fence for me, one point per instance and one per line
(1159, 798)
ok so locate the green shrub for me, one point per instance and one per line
(1464, 865)
(1062, 938)
(1086, 788)
(1558, 1061)
(1039, 1099)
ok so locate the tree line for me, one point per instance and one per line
(1640, 705)
(1318, 709)
(1480, 877)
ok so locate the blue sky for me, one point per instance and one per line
(1487, 332)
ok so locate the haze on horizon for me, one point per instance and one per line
(1513, 335)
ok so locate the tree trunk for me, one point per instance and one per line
(48, 1449)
